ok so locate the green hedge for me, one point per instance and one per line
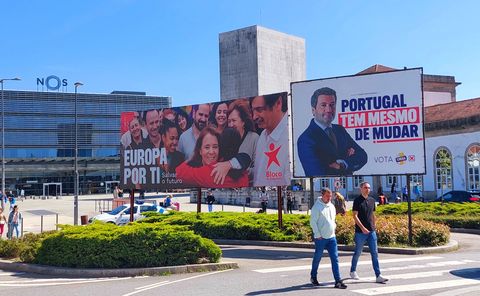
(391, 230)
(102, 245)
(245, 226)
(455, 215)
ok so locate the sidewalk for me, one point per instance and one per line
(89, 205)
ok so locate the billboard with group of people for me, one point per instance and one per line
(353, 125)
(236, 143)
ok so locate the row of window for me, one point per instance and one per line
(444, 167)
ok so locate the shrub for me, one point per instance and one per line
(102, 245)
(391, 230)
(455, 215)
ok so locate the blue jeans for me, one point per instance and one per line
(360, 240)
(210, 207)
(11, 227)
(331, 245)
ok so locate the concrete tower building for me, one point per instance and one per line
(257, 60)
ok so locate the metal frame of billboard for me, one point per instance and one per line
(349, 76)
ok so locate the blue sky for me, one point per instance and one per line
(170, 48)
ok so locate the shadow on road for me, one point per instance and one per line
(290, 289)
(270, 254)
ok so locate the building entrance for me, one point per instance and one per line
(52, 189)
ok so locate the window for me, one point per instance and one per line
(324, 183)
(473, 167)
(357, 180)
(443, 169)
(391, 180)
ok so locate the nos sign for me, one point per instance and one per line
(52, 82)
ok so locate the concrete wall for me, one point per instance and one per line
(256, 60)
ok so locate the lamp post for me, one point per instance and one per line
(3, 137)
(76, 184)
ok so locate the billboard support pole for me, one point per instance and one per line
(132, 202)
(409, 200)
(310, 203)
(280, 207)
(199, 199)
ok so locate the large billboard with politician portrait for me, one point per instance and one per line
(227, 144)
(359, 125)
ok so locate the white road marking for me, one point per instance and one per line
(417, 287)
(11, 273)
(147, 286)
(407, 276)
(39, 284)
(307, 267)
(427, 265)
(160, 284)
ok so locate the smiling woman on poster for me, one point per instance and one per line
(207, 152)
(324, 148)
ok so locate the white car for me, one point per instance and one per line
(121, 215)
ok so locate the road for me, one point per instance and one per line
(280, 271)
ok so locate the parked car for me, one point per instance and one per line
(121, 215)
(460, 196)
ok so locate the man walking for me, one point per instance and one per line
(364, 216)
(322, 221)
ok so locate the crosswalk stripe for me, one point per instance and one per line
(427, 265)
(343, 264)
(417, 287)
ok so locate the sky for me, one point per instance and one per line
(170, 48)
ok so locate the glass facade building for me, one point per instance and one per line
(40, 139)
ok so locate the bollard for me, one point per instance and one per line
(56, 224)
(244, 208)
(41, 224)
(21, 229)
(222, 207)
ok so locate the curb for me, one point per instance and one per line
(119, 272)
(465, 230)
(452, 245)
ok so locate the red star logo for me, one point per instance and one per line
(272, 155)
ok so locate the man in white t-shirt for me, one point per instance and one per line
(272, 164)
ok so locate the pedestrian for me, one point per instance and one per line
(117, 192)
(11, 199)
(289, 202)
(264, 200)
(416, 191)
(322, 221)
(14, 219)
(210, 201)
(340, 205)
(22, 194)
(405, 193)
(3, 221)
(364, 215)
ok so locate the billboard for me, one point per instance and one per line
(228, 144)
(359, 125)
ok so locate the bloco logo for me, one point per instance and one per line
(401, 158)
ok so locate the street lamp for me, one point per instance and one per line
(3, 137)
(75, 198)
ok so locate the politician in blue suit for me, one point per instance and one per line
(326, 149)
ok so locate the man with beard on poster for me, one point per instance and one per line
(326, 149)
(187, 141)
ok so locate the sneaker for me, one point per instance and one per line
(340, 285)
(354, 275)
(381, 279)
(314, 281)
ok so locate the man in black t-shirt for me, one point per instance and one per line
(364, 216)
